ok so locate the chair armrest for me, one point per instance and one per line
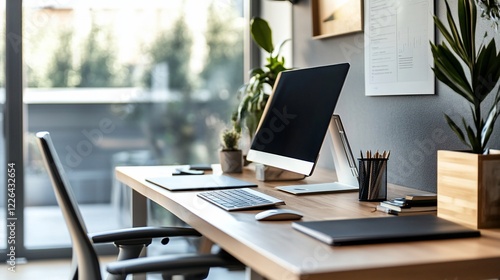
(173, 265)
(141, 233)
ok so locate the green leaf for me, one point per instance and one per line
(486, 70)
(457, 43)
(473, 141)
(256, 71)
(444, 31)
(489, 125)
(456, 129)
(254, 97)
(467, 19)
(262, 34)
(474, 116)
(447, 66)
(251, 122)
(444, 78)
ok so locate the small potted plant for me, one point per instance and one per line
(231, 157)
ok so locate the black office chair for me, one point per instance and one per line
(130, 242)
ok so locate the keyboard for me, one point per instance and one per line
(239, 199)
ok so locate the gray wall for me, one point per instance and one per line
(411, 127)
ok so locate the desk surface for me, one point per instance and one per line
(276, 251)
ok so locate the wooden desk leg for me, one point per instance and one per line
(205, 246)
(139, 210)
(251, 274)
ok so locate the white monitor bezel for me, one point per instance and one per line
(292, 164)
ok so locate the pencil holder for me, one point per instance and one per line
(372, 179)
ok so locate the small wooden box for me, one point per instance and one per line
(468, 188)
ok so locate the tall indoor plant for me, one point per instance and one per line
(468, 182)
(472, 73)
(255, 93)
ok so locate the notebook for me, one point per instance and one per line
(199, 182)
(383, 229)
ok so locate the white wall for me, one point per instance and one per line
(279, 16)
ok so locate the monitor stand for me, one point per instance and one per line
(343, 160)
(270, 173)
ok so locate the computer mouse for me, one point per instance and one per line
(278, 215)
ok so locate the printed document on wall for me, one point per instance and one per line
(398, 57)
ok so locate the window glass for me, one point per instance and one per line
(123, 83)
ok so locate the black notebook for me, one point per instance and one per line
(199, 182)
(383, 229)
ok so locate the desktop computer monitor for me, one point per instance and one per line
(297, 116)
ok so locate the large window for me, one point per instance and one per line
(122, 83)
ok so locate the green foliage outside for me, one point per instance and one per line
(61, 67)
(173, 47)
(184, 120)
(96, 68)
(222, 73)
(173, 128)
(174, 123)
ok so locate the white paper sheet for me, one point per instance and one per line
(398, 57)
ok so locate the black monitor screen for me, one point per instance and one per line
(297, 116)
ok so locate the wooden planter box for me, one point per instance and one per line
(468, 188)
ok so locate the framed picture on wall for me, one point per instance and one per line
(336, 17)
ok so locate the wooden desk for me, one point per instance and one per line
(276, 251)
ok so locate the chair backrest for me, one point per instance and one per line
(88, 264)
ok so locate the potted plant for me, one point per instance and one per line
(254, 94)
(231, 158)
(469, 181)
